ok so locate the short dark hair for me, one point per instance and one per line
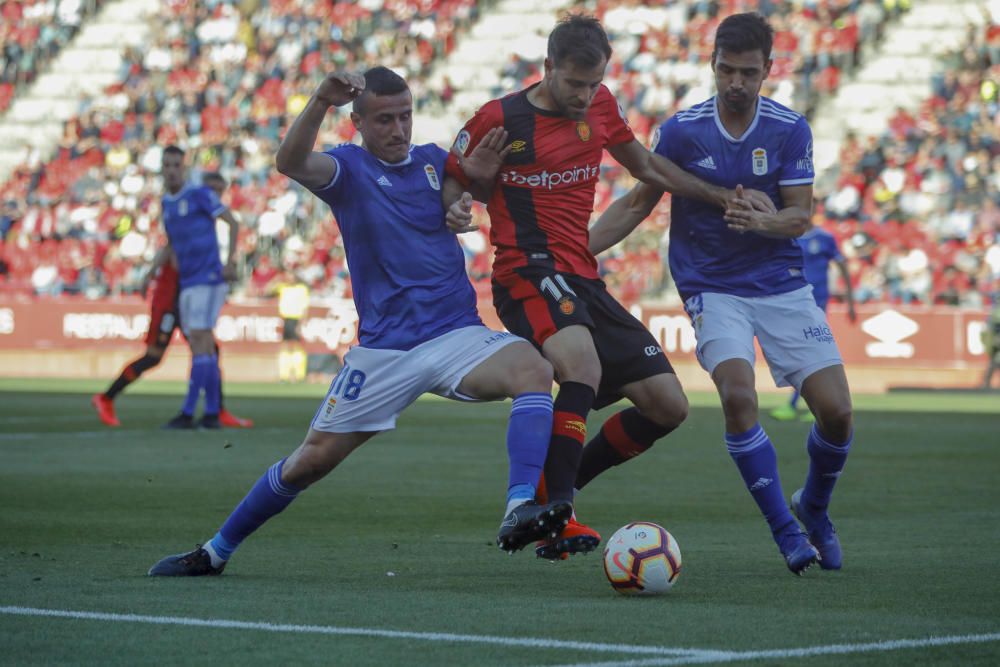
(214, 176)
(379, 81)
(174, 150)
(580, 39)
(740, 33)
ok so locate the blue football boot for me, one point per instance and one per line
(822, 534)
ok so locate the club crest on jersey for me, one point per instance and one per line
(759, 162)
(331, 404)
(583, 130)
(566, 306)
(432, 176)
(462, 141)
(518, 146)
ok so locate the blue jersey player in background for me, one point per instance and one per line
(189, 213)
(819, 249)
(741, 276)
(419, 331)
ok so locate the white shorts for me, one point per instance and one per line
(200, 306)
(792, 331)
(375, 386)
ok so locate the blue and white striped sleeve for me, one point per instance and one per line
(797, 156)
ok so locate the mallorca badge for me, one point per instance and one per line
(759, 162)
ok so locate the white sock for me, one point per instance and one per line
(217, 560)
(514, 502)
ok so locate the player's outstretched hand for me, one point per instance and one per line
(483, 163)
(459, 215)
(339, 88)
(230, 273)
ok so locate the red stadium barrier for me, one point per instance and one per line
(902, 338)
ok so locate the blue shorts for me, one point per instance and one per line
(200, 306)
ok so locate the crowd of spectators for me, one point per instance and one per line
(661, 49)
(917, 210)
(222, 79)
(31, 33)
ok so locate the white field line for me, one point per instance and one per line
(632, 649)
(805, 652)
(119, 432)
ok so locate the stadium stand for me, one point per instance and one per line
(220, 79)
(31, 33)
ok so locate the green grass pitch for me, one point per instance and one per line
(84, 512)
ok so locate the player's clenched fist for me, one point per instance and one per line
(459, 216)
(339, 88)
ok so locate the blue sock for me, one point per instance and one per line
(200, 369)
(213, 387)
(826, 461)
(528, 435)
(268, 497)
(757, 461)
(795, 398)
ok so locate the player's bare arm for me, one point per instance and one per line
(790, 222)
(296, 157)
(624, 215)
(656, 170)
(852, 314)
(162, 256)
(229, 270)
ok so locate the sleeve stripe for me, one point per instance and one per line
(797, 181)
(217, 212)
(336, 174)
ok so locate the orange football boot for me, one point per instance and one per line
(105, 409)
(575, 538)
(227, 418)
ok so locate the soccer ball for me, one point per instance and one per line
(642, 559)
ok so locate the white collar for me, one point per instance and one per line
(722, 128)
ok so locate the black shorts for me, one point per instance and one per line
(535, 303)
(164, 317)
(290, 330)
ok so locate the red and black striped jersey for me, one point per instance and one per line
(541, 204)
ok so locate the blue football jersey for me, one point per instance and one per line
(189, 218)
(407, 269)
(819, 248)
(775, 151)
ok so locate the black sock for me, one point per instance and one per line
(131, 373)
(624, 435)
(569, 432)
(222, 399)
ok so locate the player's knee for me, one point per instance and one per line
(739, 403)
(672, 413)
(666, 411)
(531, 373)
(837, 421)
(585, 371)
(315, 458)
(150, 360)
